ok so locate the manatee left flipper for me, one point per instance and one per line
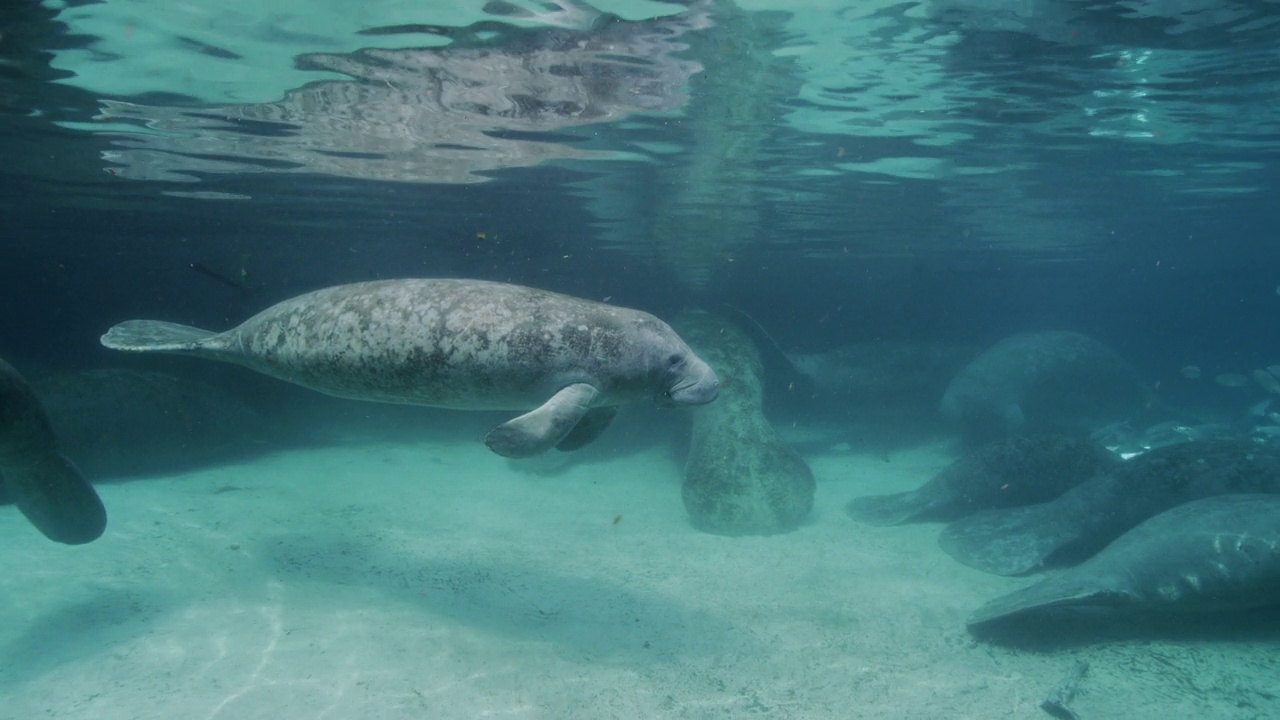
(542, 428)
(590, 427)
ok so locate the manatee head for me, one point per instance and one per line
(671, 371)
(684, 378)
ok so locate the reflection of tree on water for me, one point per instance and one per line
(494, 98)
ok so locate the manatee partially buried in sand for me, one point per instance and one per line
(1210, 555)
(1084, 519)
(741, 477)
(1042, 381)
(465, 344)
(46, 487)
(1005, 473)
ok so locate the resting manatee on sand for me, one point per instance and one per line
(1006, 473)
(463, 344)
(1211, 555)
(741, 478)
(46, 487)
(1013, 541)
(1054, 381)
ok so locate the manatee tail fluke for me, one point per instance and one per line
(1049, 594)
(56, 498)
(779, 367)
(155, 336)
(1008, 541)
(884, 510)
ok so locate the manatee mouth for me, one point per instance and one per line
(698, 390)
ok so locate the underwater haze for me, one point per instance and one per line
(984, 252)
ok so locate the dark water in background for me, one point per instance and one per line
(1109, 168)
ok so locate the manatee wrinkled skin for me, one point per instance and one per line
(1052, 381)
(454, 343)
(1209, 555)
(740, 478)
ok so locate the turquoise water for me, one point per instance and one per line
(865, 197)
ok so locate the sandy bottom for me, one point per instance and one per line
(439, 581)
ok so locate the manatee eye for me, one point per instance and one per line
(675, 360)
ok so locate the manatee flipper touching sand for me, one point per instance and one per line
(46, 487)
(1209, 555)
(1005, 473)
(463, 344)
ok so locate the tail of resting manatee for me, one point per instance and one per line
(1009, 541)
(56, 498)
(885, 510)
(1064, 591)
(156, 336)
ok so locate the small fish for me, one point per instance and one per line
(239, 283)
(1260, 409)
(1267, 381)
(1190, 372)
(1231, 380)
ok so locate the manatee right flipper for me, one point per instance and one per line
(542, 428)
(56, 498)
(46, 487)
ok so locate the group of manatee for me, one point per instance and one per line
(1191, 526)
(1186, 527)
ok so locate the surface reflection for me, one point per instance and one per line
(497, 96)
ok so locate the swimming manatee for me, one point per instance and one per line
(463, 344)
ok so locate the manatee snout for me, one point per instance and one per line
(696, 385)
